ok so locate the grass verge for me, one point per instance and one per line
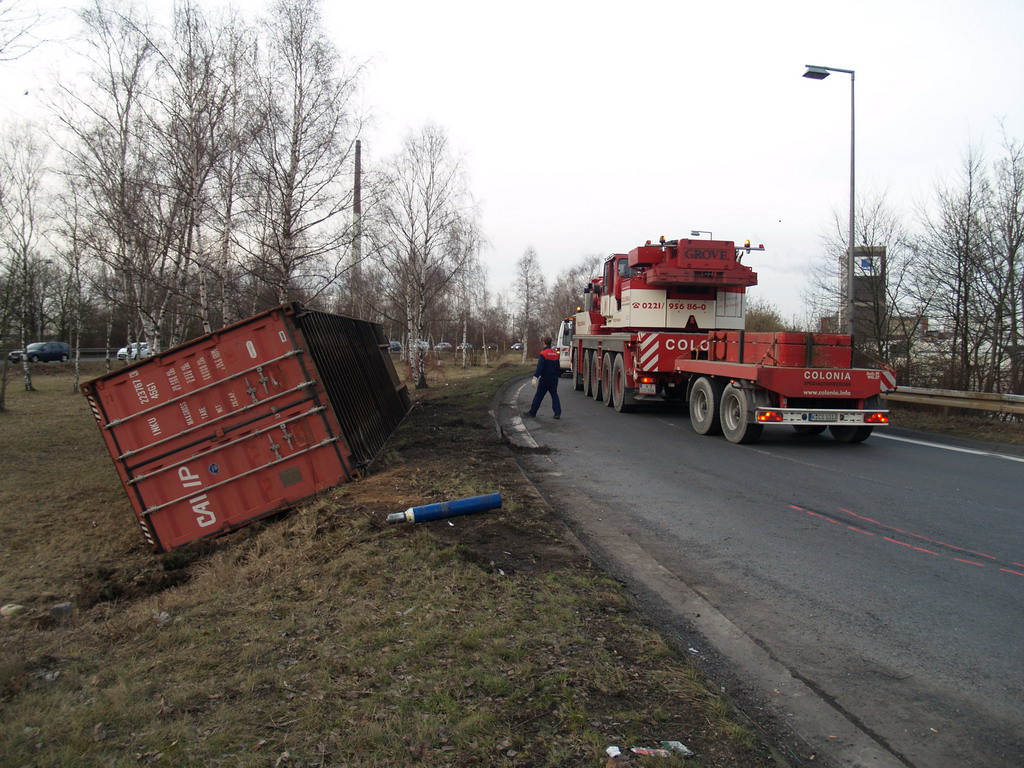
(325, 637)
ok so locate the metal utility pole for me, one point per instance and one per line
(820, 73)
(357, 234)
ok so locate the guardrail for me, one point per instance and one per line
(950, 398)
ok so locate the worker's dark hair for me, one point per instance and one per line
(547, 341)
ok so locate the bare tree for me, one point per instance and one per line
(469, 290)
(191, 143)
(954, 260)
(762, 315)
(302, 156)
(74, 239)
(425, 231)
(241, 124)
(109, 158)
(1007, 243)
(890, 304)
(18, 23)
(530, 295)
(566, 292)
(22, 230)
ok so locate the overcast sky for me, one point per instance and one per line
(589, 127)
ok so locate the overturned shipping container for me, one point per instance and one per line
(235, 425)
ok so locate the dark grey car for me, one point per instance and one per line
(43, 352)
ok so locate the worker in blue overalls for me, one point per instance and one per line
(547, 373)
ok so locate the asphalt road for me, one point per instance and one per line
(887, 578)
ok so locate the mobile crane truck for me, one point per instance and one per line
(665, 322)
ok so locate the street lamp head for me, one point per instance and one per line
(816, 73)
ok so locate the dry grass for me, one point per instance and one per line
(325, 637)
(973, 425)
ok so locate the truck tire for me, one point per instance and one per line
(622, 396)
(851, 433)
(733, 414)
(705, 396)
(606, 378)
(809, 429)
(585, 372)
(578, 380)
(595, 376)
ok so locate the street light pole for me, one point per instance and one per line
(820, 73)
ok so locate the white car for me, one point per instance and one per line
(134, 351)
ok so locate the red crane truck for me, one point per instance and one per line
(666, 322)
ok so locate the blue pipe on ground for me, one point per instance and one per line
(428, 512)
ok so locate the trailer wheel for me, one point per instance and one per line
(606, 378)
(734, 409)
(578, 379)
(809, 429)
(704, 399)
(622, 396)
(849, 433)
(595, 376)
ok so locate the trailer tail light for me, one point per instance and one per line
(768, 416)
(876, 418)
(646, 379)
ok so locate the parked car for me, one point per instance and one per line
(442, 346)
(467, 347)
(43, 352)
(394, 346)
(517, 346)
(135, 351)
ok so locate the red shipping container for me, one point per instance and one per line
(235, 425)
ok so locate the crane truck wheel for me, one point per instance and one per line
(585, 373)
(595, 376)
(735, 426)
(622, 396)
(809, 429)
(606, 378)
(849, 433)
(705, 396)
(578, 384)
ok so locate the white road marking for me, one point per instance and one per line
(958, 449)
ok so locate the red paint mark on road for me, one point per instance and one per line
(919, 536)
(915, 536)
(901, 543)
